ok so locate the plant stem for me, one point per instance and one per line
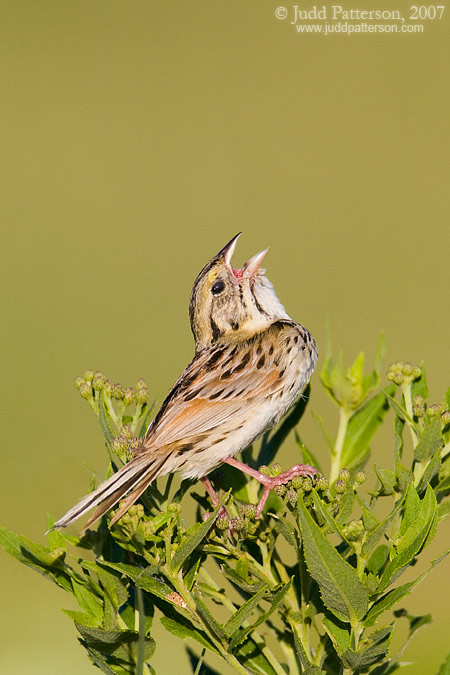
(255, 635)
(141, 627)
(344, 416)
(406, 390)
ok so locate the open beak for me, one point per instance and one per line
(227, 252)
(250, 267)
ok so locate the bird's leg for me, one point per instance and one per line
(270, 482)
(214, 498)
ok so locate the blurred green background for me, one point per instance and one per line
(137, 138)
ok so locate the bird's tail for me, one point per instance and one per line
(136, 475)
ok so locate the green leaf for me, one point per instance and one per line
(445, 665)
(122, 643)
(430, 442)
(338, 633)
(287, 530)
(432, 469)
(412, 540)
(81, 617)
(374, 536)
(251, 657)
(373, 654)
(361, 428)
(246, 609)
(404, 477)
(241, 583)
(341, 590)
(113, 591)
(378, 559)
(104, 419)
(345, 506)
(240, 636)
(399, 425)
(38, 557)
(88, 601)
(99, 662)
(212, 625)
(411, 509)
(184, 629)
(147, 582)
(444, 510)
(401, 412)
(191, 542)
(387, 480)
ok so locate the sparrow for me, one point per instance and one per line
(251, 364)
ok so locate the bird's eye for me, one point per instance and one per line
(217, 287)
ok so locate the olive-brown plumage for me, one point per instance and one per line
(250, 365)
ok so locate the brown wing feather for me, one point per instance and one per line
(216, 398)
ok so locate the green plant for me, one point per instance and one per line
(224, 583)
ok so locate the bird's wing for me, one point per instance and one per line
(219, 384)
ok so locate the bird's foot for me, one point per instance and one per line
(269, 482)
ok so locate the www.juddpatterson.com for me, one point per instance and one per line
(335, 18)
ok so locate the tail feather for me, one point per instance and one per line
(112, 490)
(138, 488)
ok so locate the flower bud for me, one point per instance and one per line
(98, 381)
(340, 487)
(280, 490)
(417, 372)
(360, 477)
(434, 410)
(149, 528)
(418, 406)
(117, 391)
(141, 392)
(291, 497)
(174, 507)
(354, 530)
(89, 374)
(222, 523)
(322, 484)
(407, 369)
(276, 469)
(79, 381)
(120, 444)
(248, 511)
(344, 475)
(264, 469)
(398, 378)
(85, 390)
(107, 387)
(129, 396)
(307, 484)
(238, 524)
(297, 483)
(135, 443)
(445, 417)
(125, 431)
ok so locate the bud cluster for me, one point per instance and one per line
(124, 446)
(111, 399)
(403, 373)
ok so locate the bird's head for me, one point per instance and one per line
(232, 304)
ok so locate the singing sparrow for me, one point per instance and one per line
(251, 363)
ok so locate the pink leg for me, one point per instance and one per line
(214, 498)
(210, 490)
(270, 482)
